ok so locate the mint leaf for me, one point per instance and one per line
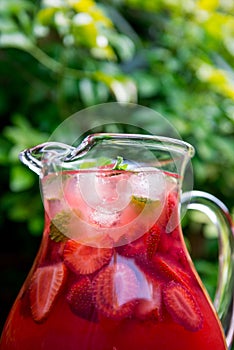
(58, 224)
(119, 164)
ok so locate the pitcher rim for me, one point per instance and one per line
(184, 146)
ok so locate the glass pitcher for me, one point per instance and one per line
(113, 271)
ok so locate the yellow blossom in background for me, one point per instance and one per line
(209, 5)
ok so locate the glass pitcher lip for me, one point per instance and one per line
(168, 142)
(36, 158)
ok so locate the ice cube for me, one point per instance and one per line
(111, 192)
(148, 183)
(87, 188)
(104, 218)
(52, 187)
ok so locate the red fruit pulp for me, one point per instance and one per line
(137, 291)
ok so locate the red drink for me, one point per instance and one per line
(113, 272)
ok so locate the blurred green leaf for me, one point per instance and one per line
(21, 179)
(8, 7)
(209, 273)
(15, 40)
(16, 133)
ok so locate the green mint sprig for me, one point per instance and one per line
(119, 164)
(58, 225)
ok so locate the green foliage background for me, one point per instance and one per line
(59, 57)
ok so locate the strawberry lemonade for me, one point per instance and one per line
(112, 272)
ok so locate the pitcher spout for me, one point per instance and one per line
(45, 155)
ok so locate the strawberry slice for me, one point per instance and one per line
(169, 213)
(134, 249)
(152, 241)
(83, 259)
(182, 306)
(143, 248)
(52, 252)
(169, 271)
(115, 291)
(45, 286)
(80, 299)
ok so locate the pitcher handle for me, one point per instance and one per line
(220, 216)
